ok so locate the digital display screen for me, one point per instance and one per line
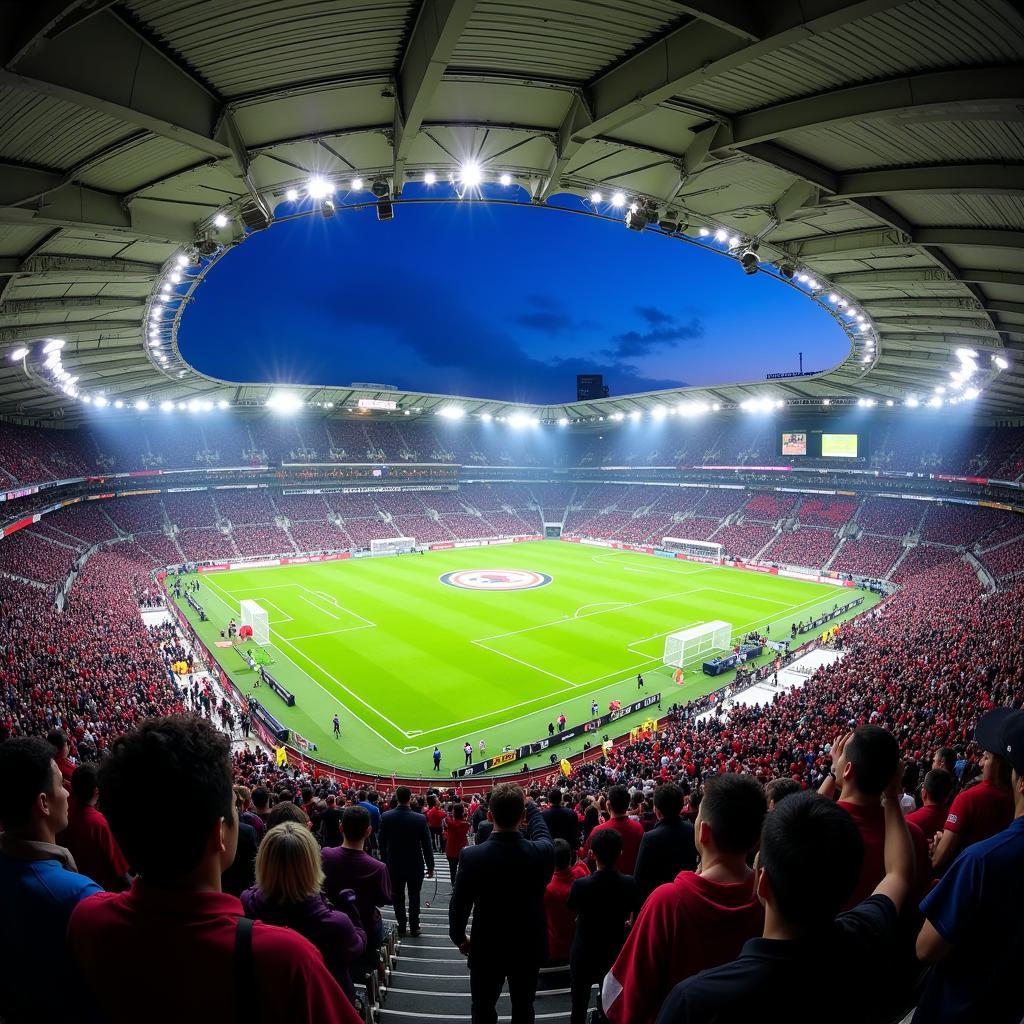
(794, 444)
(839, 446)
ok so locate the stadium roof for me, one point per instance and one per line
(875, 145)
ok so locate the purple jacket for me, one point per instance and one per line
(367, 876)
(331, 931)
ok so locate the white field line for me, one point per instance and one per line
(596, 604)
(322, 611)
(285, 617)
(333, 679)
(330, 632)
(330, 599)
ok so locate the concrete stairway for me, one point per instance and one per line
(429, 979)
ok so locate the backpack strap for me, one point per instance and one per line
(245, 974)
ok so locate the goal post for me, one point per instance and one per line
(697, 550)
(697, 642)
(392, 545)
(255, 615)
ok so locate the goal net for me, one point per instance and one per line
(392, 545)
(689, 645)
(256, 616)
(697, 550)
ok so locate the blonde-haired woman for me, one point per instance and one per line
(287, 893)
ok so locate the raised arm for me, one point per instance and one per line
(898, 852)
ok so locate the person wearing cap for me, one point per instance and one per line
(981, 810)
(971, 933)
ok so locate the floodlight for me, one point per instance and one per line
(912, 402)
(733, 241)
(486, 417)
(704, 232)
(193, 405)
(635, 414)
(18, 353)
(451, 412)
(971, 393)
(318, 188)
(563, 422)
(53, 345)
(940, 390)
(327, 208)
(659, 412)
(284, 402)
(889, 402)
(157, 310)
(1001, 362)
(220, 220)
(100, 400)
(826, 401)
(118, 404)
(640, 215)
(618, 200)
(616, 416)
(521, 419)
(966, 353)
(181, 260)
(357, 184)
(167, 406)
(142, 405)
(470, 174)
(429, 178)
(833, 298)
(223, 404)
(596, 197)
(748, 260)
(812, 284)
(721, 235)
(506, 179)
(291, 194)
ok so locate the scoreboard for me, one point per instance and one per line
(839, 442)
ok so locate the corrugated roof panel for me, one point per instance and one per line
(963, 210)
(865, 145)
(16, 240)
(499, 103)
(244, 46)
(567, 39)
(918, 36)
(51, 133)
(138, 163)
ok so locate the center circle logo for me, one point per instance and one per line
(496, 579)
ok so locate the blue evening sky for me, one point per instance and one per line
(492, 301)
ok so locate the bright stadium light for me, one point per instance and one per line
(451, 412)
(220, 220)
(318, 187)
(596, 197)
(430, 178)
(563, 422)
(142, 405)
(470, 174)
(704, 232)
(1001, 362)
(284, 402)
(291, 194)
(506, 179)
(912, 402)
(357, 184)
(659, 412)
(971, 393)
(618, 200)
(518, 420)
(617, 416)
(18, 353)
(166, 406)
(53, 345)
(181, 260)
(118, 404)
(100, 401)
(223, 404)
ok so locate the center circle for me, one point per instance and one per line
(495, 579)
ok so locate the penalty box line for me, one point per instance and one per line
(512, 707)
(337, 682)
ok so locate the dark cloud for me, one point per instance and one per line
(655, 316)
(631, 344)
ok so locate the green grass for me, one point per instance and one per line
(408, 662)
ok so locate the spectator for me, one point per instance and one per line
(561, 821)
(248, 813)
(699, 920)
(41, 887)
(406, 849)
(175, 917)
(669, 847)
(809, 863)
(241, 873)
(456, 838)
(561, 920)
(863, 764)
(944, 759)
(88, 834)
(978, 811)
(908, 801)
(287, 893)
(349, 867)
(603, 902)
(779, 789)
(631, 831)
(975, 978)
(435, 822)
(937, 791)
(502, 883)
(261, 805)
(286, 810)
(59, 741)
(330, 823)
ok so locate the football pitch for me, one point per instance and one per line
(487, 643)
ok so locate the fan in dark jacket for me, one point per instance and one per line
(669, 847)
(287, 893)
(561, 821)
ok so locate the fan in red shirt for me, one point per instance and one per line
(561, 920)
(978, 812)
(936, 791)
(456, 837)
(696, 921)
(175, 923)
(631, 831)
(863, 764)
(88, 835)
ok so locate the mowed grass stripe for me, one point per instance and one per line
(423, 673)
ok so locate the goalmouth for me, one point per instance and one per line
(695, 643)
(392, 545)
(695, 550)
